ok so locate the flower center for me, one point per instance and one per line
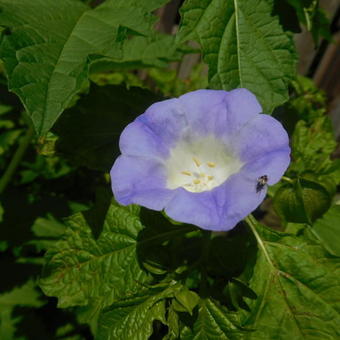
(200, 165)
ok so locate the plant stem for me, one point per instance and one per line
(287, 179)
(19, 153)
(251, 221)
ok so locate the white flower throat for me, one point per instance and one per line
(200, 164)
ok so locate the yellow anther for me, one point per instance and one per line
(197, 181)
(187, 173)
(210, 178)
(197, 162)
(202, 174)
(211, 164)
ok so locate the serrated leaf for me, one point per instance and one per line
(312, 146)
(214, 322)
(47, 48)
(133, 319)
(302, 202)
(80, 269)
(243, 45)
(327, 229)
(89, 133)
(298, 287)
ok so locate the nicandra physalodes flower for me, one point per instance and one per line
(205, 158)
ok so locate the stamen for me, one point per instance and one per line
(187, 173)
(197, 162)
(202, 174)
(210, 178)
(197, 181)
(211, 164)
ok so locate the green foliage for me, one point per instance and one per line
(129, 272)
(312, 146)
(133, 318)
(89, 132)
(314, 174)
(302, 201)
(327, 230)
(81, 269)
(57, 49)
(25, 296)
(313, 17)
(244, 47)
(214, 322)
(297, 285)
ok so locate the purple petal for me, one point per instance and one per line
(244, 197)
(193, 208)
(219, 112)
(219, 209)
(261, 135)
(140, 181)
(166, 120)
(154, 132)
(274, 164)
(137, 139)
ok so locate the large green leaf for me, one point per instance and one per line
(48, 46)
(298, 288)
(24, 296)
(81, 269)
(214, 322)
(243, 45)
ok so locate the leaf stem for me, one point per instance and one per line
(287, 179)
(19, 153)
(251, 221)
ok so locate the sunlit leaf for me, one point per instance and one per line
(48, 46)
(243, 45)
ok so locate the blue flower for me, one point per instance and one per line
(205, 158)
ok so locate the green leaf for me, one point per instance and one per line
(133, 319)
(312, 146)
(243, 45)
(298, 287)
(214, 322)
(89, 132)
(186, 300)
(25, 296)
(327, 229)
(81, 269)
(313, 17)
(302, 202)
(48, 230)
(156, 51)
(7, 139)
(48, 46)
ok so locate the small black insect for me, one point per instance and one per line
(261, 182)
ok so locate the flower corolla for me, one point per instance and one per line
(206, 158)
